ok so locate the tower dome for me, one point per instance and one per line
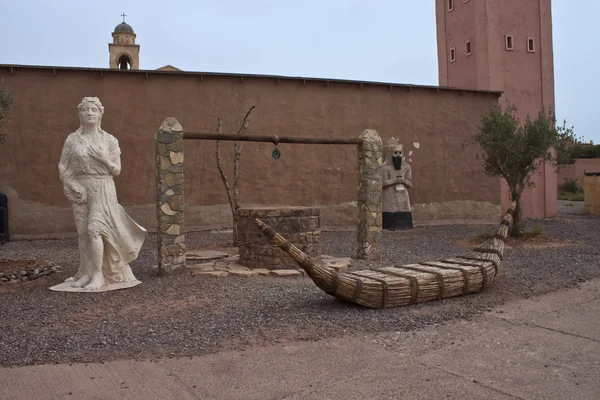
(123, 27)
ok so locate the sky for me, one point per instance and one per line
(371, 40)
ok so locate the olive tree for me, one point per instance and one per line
(515, 151)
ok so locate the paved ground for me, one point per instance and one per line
(571, 209)
(545, 347)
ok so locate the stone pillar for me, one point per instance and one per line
(370, 159)
(170, 238)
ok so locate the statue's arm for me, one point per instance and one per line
(114, 160)
(111, 157)
(63, 164)
(72, 190)
(387, 181)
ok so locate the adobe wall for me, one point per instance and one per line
(577, 170)
(448, 180)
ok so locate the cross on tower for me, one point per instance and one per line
(123, 15)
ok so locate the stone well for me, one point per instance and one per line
(299, 225)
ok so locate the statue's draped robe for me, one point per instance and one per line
(396, 198)
(122, 237)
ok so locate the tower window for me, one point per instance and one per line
(124, 62)
(453, 54)
(508, 39)
(450, 5)
(530, 45)
(468, 47)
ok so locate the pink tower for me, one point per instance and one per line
(503, 45)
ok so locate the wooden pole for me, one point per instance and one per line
(270, 139)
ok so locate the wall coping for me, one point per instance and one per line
(391, 85)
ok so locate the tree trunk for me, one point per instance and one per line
(515, 228)
(236, 192)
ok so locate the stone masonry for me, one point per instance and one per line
(169, 201)
(299, 225)
(370, 160)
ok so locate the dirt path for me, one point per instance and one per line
(547, 347)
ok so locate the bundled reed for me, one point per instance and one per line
(401, 285)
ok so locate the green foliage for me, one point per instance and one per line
(586, 150)
(515, 151)
(535, 231)
(5, 104)
(566, 145)
(570, 186)
(570, 196)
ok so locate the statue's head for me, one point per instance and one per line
(394, 153)
(90, 111)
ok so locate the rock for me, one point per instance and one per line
(36, 271)
(241, 272)
(205, 255)
(24, 279)
(201, 267)
(33, 277)
(218, 274)
(221, 266)
(337, 264)
(14, 281)
(286, 272)
(23, 273)
(237, 267)
(262, 271)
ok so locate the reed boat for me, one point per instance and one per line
(395, 286)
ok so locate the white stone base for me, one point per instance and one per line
(66, 287)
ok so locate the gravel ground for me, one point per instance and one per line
(185, 316)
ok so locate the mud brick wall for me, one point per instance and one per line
(299, 225)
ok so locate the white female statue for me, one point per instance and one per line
(108, 238)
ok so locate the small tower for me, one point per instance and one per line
(124, 53)
(503, 45)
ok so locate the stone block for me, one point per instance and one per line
(235, 266)
(203, 267)
(244, 273)
(176, 157)
(217, 274)
(286, 273)
(173, 180)
(262, 271)
(174, 230)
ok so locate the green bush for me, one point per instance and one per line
(570, 186)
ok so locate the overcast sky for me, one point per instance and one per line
(376, 40)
